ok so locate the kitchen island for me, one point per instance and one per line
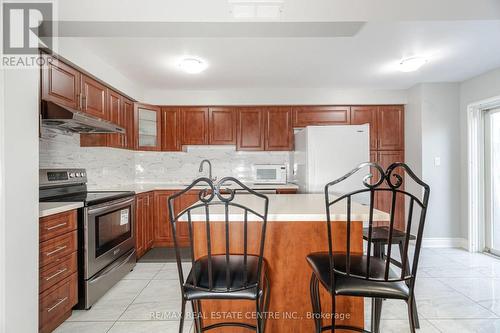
(296, 227)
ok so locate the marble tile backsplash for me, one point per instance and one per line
(107, 167)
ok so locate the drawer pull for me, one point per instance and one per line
(59, 302)
(56, 274)
(60, 248)
(56, 226)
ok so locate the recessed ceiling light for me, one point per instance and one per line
(192, 65)
(412, 64)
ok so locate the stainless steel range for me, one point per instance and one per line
(106, 236)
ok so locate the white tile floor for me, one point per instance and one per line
(456, 292)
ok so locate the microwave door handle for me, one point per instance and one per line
(113, 206)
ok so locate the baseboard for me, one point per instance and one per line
(436, 242)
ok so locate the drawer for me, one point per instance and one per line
(55, 249)
(52, 274)
(56, 302)
(57, 224)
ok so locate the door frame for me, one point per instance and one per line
(475, 176)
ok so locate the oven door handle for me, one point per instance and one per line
(110, 206)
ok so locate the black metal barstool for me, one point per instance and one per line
(226, 275)
(369, 275)
(380, 237)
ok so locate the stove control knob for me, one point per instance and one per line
(77, 174)
(71, 174)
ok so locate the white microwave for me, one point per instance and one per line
(270, 174)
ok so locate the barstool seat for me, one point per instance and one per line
(198, 285)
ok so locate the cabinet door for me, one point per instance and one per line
(148, 127)
(195, 126)
(251, 129)
(366, 115)
(162, 228)
(171, 129)
(384, 199)
(117, 117)
(279, 130)
(94, 98)
(149, 223)
(60, 83)
(390, 123)
(222, 126)
(128, 114)
(140, 216)
(321, 115)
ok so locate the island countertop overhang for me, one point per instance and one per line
(288, 208)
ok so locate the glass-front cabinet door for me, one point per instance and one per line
(148, 127)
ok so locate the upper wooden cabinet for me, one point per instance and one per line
(127, 108)
(148, 127)
(171, 129)
(60, 83)
(94, 98)
(366, 115)
(251, 128)
(390, 125)
(222, 126)
(195, 126)
(116, 116)
(279, 130)
(321, 115)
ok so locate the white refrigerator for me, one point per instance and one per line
(326, 153)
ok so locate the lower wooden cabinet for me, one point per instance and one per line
(58, 273)
(144, 226)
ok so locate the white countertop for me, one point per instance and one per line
(290, 208)
(146, 187)
(51, 208)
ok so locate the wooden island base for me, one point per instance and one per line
(286, 248)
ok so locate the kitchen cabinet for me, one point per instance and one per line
(94, 98)
(250, 128)
(390, 124)
(366, 115)
(279, 130)
(58, 269)
(144, 223)
(148, 127)
(171, 129)
(116, 116)
(222, 126)
(195, 126)
(60, 83)
(321, 115)
(127, 107)
(162, 228)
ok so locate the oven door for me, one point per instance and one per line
(108, 233)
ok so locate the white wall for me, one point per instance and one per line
(432, 130)
(473, 90)
(19, 197)
(274, 96)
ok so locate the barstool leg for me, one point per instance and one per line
(183, 315)
(376, 314)
(197, 316)
(316, 303)
(414, 302)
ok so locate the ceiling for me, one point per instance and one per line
(457, 50)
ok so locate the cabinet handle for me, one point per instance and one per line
(56, 250)
(85, 102)
(56, 226)
(59, 302)
(79, 98)
(56, 274)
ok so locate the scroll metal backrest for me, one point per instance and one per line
(220, 199)
(379, 182)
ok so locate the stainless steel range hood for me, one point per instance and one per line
(67, 119)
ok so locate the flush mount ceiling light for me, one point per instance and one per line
(256, 9)
(192, 65)
(412, 64)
